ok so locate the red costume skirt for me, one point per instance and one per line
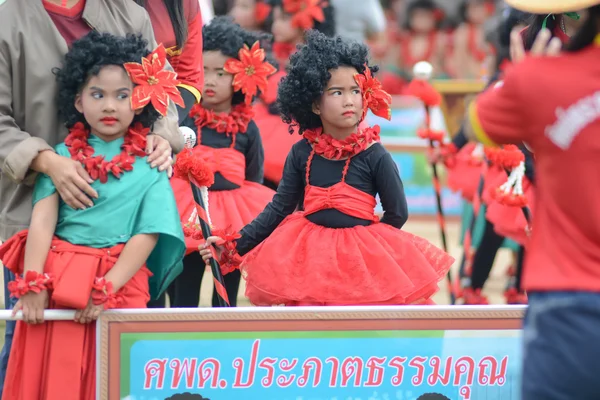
(465, 175)
(228, 208)
(237, 208)
(510, 222)
(304, 263)
(56, 360)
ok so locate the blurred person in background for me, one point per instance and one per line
(289, 29)
(361, 21)
(468, 50)
(250, 14)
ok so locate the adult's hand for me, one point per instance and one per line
(159, 153)
(71, 180)
(544, 45)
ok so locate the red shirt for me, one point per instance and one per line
(553, 105)
(187, 62)
(68, 21)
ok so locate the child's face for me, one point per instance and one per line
(218, 84)
(105, 102)
(422, 21)
(478, 12)
(340, 107)
(243, 12)
(282, 29)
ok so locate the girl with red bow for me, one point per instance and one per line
(290, 21)
(235, 71)
(335, 250)
(116, 254)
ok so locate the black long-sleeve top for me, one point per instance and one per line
(372, 171)
(248, 143)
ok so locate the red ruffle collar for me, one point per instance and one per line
(134, 145)
(327, 146)
(230, 123)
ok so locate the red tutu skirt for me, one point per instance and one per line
(237, 208)
(305, 263)
(228, 208)
(465, 175)
(510, 221)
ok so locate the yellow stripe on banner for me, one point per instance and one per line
(597, 40)
(192, 90)
(480, 134)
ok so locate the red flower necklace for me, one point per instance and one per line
(325, 145)
(228, 123)
(97, 167)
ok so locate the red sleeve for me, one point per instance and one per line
(190, 69)
(497, 116)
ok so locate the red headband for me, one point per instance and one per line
(374, 97)
(250, 71)
(305, 12)
(153, 83)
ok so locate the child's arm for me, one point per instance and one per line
(134, 255)
(132, 258)
(39, 239)
(255, 155)
(391, 192)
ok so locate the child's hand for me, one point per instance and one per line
(33, 305)
(207, 251)
(90, 313)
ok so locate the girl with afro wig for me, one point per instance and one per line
(235, 71)
(335, 250)
(119, 252)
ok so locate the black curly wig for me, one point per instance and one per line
(308, 74)
(85, 59)
(187, 396)
(433, 396)
(326, 27)
(224, 35)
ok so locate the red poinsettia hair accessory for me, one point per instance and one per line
(154, 84)
(305, 12)
(374, 97)
(261, 11)
(250, 71)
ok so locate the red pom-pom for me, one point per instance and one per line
(425, 92)
(190, 167)
(509, 157)
(508, 199)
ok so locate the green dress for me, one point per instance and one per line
(140, 202)
(479, 227)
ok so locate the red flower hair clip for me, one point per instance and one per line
(153, 83)
(374, 97)
(305, 12)
(261, 11)
(250, 71)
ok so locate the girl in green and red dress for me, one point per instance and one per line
(118, 253)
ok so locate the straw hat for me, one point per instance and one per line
(551, 6)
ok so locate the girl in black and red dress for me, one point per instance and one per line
(230, 142)
(335, 251)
